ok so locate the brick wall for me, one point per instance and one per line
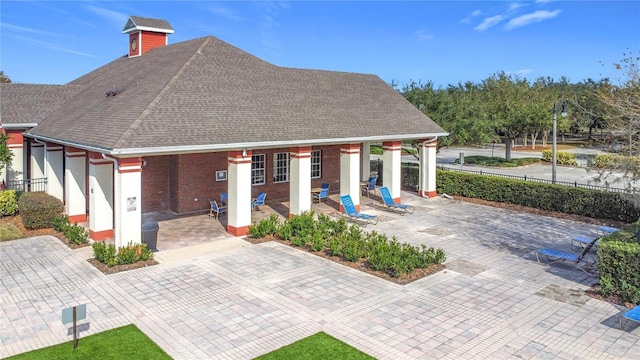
(175, 182)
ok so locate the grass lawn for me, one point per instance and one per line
(497, 161)
(320, 346)
(8, 231)
(126, 342)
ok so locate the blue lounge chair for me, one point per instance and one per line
(215, 209)
(387, 201)
(608, 230)
(554, 255)
(579, 242)
(259, 201)
(633, 315)
(224, 197)
(351, 211)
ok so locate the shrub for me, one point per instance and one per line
(76, 234)
(548, 197)
(39, 210)
(8, 203)
(619, 264)
(562, 157)
(613, 161)
(60, 223)
(265, 227)
(107, 254)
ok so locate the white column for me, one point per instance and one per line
(37, 160)
(75, 204)
(350, 173)
(365, 161)
(392, 167)
(427, 184)
(300, 181)
(54, 168)
(128, 199)
(239, 202)
(15, 143)
(100, 197)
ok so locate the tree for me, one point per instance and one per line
(3, 78)
(6, 156)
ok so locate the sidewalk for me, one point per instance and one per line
(494, 301)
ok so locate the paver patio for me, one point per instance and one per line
(228, 299)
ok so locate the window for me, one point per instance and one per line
(257, 169)
(280, 167)
(316, 165)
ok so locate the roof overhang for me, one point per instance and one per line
(191, 149)
(19, 126)
(147, 28)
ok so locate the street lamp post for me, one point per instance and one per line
(554, 151)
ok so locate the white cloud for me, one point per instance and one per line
(116, 18)
(515, 6)
(423, 34)
(521, 72)
(225, 13)
(532, 18)
(467, 20)
(51, 46)
(489, 22)
(25, 30)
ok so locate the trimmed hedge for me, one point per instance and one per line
(549, 197)
(619, 264)
(39, 210)
(562, 157)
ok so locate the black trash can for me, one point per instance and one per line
(150, 234)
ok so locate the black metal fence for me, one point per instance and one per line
(410, 179)
(26, 185)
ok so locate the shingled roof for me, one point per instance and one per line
(140, 22)
(25, 105)
(204, 95)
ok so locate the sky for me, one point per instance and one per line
(444, 42)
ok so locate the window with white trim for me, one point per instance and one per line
(281, 167)
(257, 169)
(316, 164)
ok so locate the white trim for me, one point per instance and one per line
(19, 126)
(147, 28)
(170, 150)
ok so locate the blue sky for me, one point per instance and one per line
(446, 42)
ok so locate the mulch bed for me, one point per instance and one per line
(119, 268)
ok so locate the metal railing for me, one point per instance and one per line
(28, 185)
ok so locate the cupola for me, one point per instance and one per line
(146, 34)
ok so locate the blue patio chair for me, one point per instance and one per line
(554, 255)
(351, 211)
(216, 209)
(579, 242)
(323, 194)
(387, 201)
(259, 201)
(224, 197)
(633, 315)
(369, 186)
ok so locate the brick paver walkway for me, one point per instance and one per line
(493, 301)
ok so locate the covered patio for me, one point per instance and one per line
(181, 231)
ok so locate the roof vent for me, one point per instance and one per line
(112, 92)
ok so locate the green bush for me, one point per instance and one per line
(352, 244)
(8, 203)
(619, 264)
(548, 197)
(60, 223)
(107, 254)
(562, 157)
(39, 210)
(613, 161)
(265, 227)
(76, 234)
